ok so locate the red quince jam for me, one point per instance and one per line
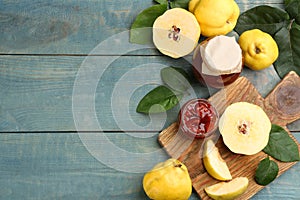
(198, 118)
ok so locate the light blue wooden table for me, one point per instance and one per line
(66, 136)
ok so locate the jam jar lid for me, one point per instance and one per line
(221, 55)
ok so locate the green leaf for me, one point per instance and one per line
(297, 20)
(175, 78)
(286, 2)
(288, 42)
(140, 32)
(281, 146)
(266, 18)
(295, 25)
(266, 171)
(160, 99)
(293, 8)
(175, 3)
(165, 2)
(180, 4)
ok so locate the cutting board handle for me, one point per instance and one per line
(282, 105)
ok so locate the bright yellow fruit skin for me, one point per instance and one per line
(168, 180)
(228, 190)
(193, 4)
(259, 49)
(217, 17)
(214, 163)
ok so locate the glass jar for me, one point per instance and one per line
(198, 118)
(217, 61)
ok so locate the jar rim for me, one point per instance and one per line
(210, 49)
(215, 115)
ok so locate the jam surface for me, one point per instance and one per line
(198, 118)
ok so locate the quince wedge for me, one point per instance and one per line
(245, 128)
(217, 17)
(176, 32)
(168, 180)
(214, 163)
(228, 190)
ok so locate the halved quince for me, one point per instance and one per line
(214, 163)
(228, 190)
(176, 32)
(245, 128)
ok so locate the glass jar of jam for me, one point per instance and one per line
(198, 118)
(217, 61)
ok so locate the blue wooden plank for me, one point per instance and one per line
(58, 166)
(55, 166)
(73, 26)
(62, 27)
(36, 92)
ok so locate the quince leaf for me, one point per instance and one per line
(176, 78)
(297, 19)
(180, 4)
(162, 1)
(139, 32)
(281, 146)
(266, 18)
(292, 7)
(175, 3)
(288, 42)
(158, 100)
(266, 171)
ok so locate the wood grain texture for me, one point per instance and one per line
(36, 91)
(282, 104)
(42, 47)
(189, 151)
(58, 166)
(73, 26)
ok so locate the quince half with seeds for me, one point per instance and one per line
(176, 32)
(245, 128)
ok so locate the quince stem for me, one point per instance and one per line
(178, 165)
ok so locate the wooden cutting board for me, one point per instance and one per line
(282, 107)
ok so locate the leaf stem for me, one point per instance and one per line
(290, 25)
(169, 4)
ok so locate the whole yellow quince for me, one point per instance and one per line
(259, 49)
(168, 180)
(215, 17)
